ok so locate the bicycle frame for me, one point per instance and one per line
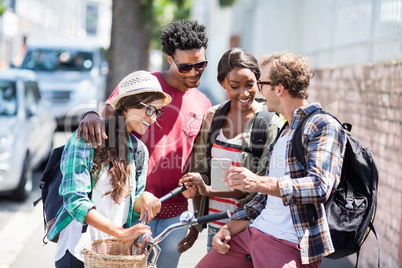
(186, 220)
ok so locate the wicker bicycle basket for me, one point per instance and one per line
(113, 253)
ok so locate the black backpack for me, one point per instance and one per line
(50, 183)
(352, 206)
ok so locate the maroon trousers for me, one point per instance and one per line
(265, 250)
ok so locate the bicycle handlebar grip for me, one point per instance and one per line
(213, 217)
(172, 193)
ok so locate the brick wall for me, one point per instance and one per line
(370, 98)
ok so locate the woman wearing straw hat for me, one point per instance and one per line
(117, 193)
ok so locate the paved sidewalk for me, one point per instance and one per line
(32, 253)
(192, 256)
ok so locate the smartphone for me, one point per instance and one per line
(218, 166)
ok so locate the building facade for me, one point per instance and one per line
(28, 21)
(355, 48)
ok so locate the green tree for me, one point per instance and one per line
(136, 26)
(3, 8)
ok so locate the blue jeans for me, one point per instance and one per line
(169, 257)
(69, 261)
(211, 233)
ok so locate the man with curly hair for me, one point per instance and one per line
(285, 224)
(171, 140)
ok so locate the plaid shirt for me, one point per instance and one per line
(76, 164)
(306, 191)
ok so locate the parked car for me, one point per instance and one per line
(71, 75)
(26, 133)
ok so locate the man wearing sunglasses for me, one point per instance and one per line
(170, 141)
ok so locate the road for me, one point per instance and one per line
(21, 233)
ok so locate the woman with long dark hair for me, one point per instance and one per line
(102, 188)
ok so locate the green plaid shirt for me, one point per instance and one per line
(306, 191)
(76, 164)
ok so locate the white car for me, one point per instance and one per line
(71, 75)
(26, 132)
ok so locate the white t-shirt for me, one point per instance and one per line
(72, 238)
(219, 204)
(275, 218)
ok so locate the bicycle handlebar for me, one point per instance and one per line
(172, 193)
(212, 217)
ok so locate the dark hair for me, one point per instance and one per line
(237, 57)
(114, 150)
(183, 35)
(291, 71)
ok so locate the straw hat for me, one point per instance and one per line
(138, 82)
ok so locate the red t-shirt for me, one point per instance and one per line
(171, 142)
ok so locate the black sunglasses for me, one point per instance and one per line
(151, 110)
(262, 83)
(185, 68)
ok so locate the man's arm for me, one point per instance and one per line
(229, 230)
(325, 150)
(241, 178)
(91, 126)
(324, 157)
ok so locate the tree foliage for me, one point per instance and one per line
(166, 11)
(136, 27)
(226, 3)
(3, 8)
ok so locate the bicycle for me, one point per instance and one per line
(186, 220)
(120, 254)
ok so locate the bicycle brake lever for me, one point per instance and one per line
(145, 219)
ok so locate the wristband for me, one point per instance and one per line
(88, 112)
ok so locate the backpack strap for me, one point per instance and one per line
(297, 142)
(138, 158)
(371, 226)
(216, 125)
(234, 146)
(298, 151)
(259, 132)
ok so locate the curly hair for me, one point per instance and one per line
(183, 35)
(114, 150)
(291, 71)
(237, 57)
